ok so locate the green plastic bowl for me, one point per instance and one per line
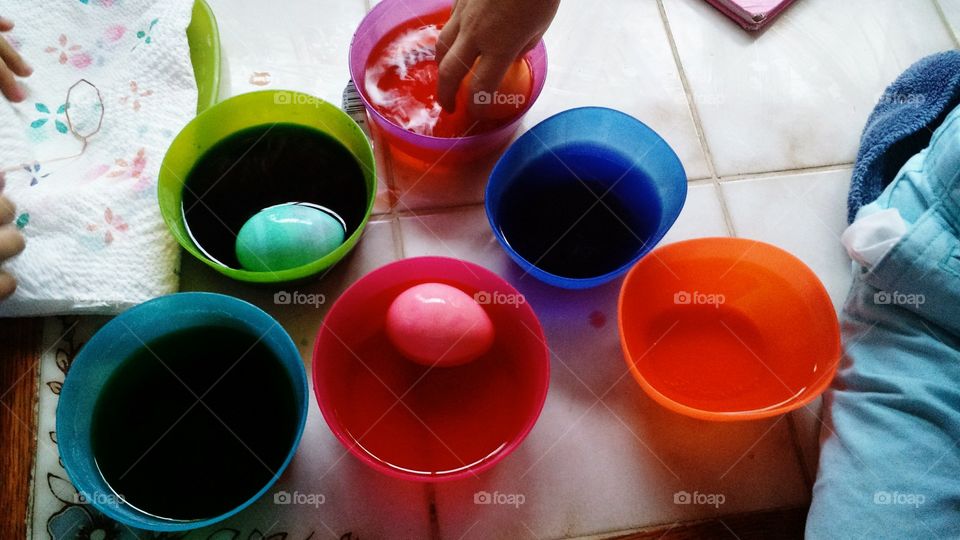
(242, 112)
(204, 39)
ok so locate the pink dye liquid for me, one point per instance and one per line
(446, 419)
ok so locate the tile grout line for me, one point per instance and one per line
(391, 215)
(725, 209)
(433, 515)
(938, 5)
(800, 454)
(447, 209)
(453, 208)
(398, 248)
(833, 167)
(695, 116)
(721, 197)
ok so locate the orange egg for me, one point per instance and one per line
(504, 104)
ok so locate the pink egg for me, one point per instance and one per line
(438, 325)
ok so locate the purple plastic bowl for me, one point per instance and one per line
(390, 14)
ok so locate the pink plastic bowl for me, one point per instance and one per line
(383, 18)
(429, 424)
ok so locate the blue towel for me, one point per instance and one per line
(889, 461)
(902, 123)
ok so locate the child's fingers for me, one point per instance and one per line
(8, 284)
(12, 242)
(7, 211)
(14, 61)
(9, 86)
(5, 24)
(533, 43)
(456, 63)
(447, 38)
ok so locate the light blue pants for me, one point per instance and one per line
(890, 444)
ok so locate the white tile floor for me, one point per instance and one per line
(767, 127)
(797, 95)
(951, 11)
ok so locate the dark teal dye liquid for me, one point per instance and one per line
(263, 166)
(173, 457)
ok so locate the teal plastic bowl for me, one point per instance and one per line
(113, 345)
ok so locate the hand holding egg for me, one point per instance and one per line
(490, 33)
(505, 102)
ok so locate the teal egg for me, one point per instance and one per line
(287, 236)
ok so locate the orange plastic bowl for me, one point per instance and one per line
(728, 329)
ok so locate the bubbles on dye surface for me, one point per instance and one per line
(411, 58)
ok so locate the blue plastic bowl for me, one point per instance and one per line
(116, 342)
(642, 169)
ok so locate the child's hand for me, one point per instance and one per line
(11, 242)
(11, 64)
(496, 31)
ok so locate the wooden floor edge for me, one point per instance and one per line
(20, 342)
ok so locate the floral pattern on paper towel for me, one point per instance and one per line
(143, 36)
(105, 47)
(111, 226)
(132, 169)
(133, 98)
(34, 172)
(123, 169)
(69, 52)
(40, 128)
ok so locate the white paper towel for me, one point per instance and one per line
(96, 242)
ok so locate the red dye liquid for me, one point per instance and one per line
(401, 84)
(447, 419)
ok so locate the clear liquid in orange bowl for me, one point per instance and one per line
(400, 82)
